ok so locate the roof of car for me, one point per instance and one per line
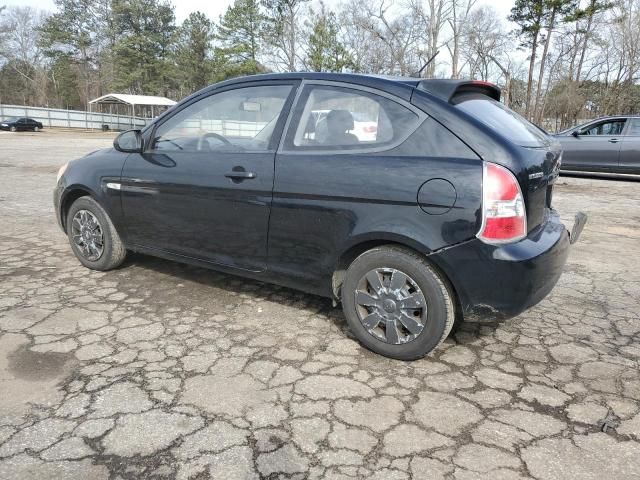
(443, 88)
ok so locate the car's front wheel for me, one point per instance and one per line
(12, 129)
(36, 129)
(396, 303)
(93, 238)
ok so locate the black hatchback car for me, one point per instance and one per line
(413, 202)
(15, 124)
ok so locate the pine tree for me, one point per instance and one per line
(193, 52)
(240, 30)
(145, 32)
(240, 36)
(325, 53)
(75, 32)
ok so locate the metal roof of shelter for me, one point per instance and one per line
(126, 99)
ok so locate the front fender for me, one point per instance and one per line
(89, 176)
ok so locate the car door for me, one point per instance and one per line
(595, 147)
(203, 186)
(22, 124)
(630, 148)
(336, 183)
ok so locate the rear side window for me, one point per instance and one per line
(502, 120)
(337, 118)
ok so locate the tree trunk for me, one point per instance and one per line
(532, 63)
(584, 47)
(507, 88)
(454, 58)
(537, 112)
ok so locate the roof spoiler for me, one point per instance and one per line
(447, 89)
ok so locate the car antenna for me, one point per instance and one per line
(419, 72)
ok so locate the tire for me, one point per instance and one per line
(13, 129)
(113, 251)
(429, 325)
(36, 129)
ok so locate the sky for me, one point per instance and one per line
(215, 8)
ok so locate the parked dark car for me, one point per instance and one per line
(440, 212)
(605, 145)
(16, 124)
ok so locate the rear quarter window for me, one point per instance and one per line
(502, 120)
(335, 118)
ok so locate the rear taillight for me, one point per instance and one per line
(504, 218)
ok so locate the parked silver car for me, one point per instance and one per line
(605, 145)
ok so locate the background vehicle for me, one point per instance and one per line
(605, 145)
(444, 213)
(15, 124)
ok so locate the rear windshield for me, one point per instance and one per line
(501, 119)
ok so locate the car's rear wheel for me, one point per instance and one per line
(93, 238)
(12, 129)
(396, 303)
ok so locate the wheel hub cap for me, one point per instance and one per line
(390, 305)
(87, 235)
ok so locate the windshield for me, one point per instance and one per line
(502, 120)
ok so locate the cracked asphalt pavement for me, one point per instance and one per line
(159, 370)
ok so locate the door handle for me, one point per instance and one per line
(238, 174)
(614, 140)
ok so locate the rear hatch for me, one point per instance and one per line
(539, 153)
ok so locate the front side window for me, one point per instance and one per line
(634, 127)
(613, 127)
(337, 118)
(237, 120)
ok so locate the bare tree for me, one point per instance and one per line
(486, 44)
(433, 15)
(459, 16)
(19, 48)
(284, 24)
(395, 39)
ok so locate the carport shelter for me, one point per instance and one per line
(148, 106)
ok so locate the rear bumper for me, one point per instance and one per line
(496, 282)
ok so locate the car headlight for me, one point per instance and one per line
(4, 125)
(63, 169)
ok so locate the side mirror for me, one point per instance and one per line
(575, 133)
(129, 142)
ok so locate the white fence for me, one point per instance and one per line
(55, 117)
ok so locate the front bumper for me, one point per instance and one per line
(496, 282)
(57, 203)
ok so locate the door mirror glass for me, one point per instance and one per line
(129, 142)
